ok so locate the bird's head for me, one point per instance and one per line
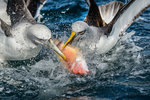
(79, 29)
(41, 35)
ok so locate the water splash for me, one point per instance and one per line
(121, 73)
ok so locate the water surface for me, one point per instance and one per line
(122, 73)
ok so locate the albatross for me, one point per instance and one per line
(104, 25)
(20, 36)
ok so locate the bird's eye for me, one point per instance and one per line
(82, 32)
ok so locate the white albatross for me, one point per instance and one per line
(20, 36)
(105, 25)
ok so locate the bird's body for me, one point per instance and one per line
(96, 40)
(105, 25)
(20, 36)
(18, 47)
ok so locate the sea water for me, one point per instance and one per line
(122, 73)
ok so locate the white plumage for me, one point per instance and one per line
(106, 24)
(26, 38)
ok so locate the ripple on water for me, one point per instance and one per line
(122, 73)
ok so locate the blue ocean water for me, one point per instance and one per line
(123, 73)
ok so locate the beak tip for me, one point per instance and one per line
(56, 49)
(63, 47)
(64, 57)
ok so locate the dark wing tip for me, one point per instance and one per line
(88, 2)
(33, 5)
(18, 11)
(6, 28)
(93, 18)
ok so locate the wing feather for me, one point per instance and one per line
(126, 16)
(93, 18)
(109, 10)
(18, 11)
(34, 6)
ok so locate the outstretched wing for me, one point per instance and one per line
(109, 11)
(93, 18)
(35, 6)
(126, 16)
(102, 15)
(18, 11)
